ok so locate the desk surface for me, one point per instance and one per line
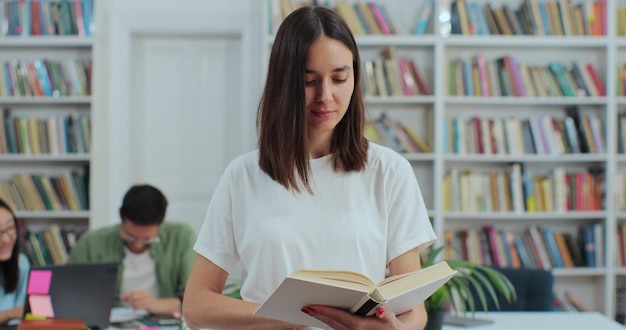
(544, 320)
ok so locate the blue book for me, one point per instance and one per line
(90, 26)
(468, 84)
(543, 11)
(553, 249)
(507, 250)
(44, 77)
(425, 14)
(589, 246)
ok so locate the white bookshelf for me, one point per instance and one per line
(53, 48)
(432, 51)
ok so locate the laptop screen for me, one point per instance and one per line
(85, 291)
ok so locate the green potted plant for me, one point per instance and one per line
(485, 281)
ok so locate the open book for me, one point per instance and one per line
(352, 292)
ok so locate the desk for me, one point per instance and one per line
(544, 320)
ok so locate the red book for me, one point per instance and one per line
(579, 191)
(409, 86)
(596, 79)
(35, 18)
(80, 24)
(493, 237)
(380, 18)
(421, 83)
(479, 135)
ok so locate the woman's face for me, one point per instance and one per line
(329, 83)
(8, 234)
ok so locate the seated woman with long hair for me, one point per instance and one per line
(14, 267)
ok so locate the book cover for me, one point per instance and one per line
(352, 292)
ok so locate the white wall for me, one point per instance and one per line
(176, 85)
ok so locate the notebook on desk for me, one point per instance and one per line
(84, 291)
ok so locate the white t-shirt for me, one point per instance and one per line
(356, 221)
(139, 273)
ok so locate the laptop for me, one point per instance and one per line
(83, 290)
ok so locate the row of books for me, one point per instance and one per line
(506, 76)
(45, 78)
(534, 247)
(520, 190)
(363, 17)
(524, 136)
(391, 75)
(52, 245)
(395, 134)
(38, 192)
(532, 17)
(53, 135)
(49, 17)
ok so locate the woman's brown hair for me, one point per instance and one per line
(281, 118)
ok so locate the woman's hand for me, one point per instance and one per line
(341, 320)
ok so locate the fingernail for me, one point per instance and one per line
(380, 311)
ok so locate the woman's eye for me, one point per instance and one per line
(341, 80)
(309, 82)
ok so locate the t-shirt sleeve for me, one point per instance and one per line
(409, 224)
(216, 239)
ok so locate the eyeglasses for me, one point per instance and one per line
(11, 232)
(128, 238)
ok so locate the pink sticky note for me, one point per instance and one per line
(41, 305)
(39, 281)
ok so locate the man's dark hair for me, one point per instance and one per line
(144, 205)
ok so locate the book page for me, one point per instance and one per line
(359, 280)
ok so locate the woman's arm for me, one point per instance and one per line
(204, 306)
(408, 262)
(9, 314)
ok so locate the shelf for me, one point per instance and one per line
(46, 41)
(52, 214)
(534, 158)
(578, 271)
(419, 157)
(511, 216)
(388, 40)
(396, 40)
(70, 158)
(507, 100)
(45, 100)
(521, 41)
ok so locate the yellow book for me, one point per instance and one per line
(463, 18)
(352, 292)
(347, 12)
(420, 142)
(476, 81)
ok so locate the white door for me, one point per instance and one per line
(176, 89)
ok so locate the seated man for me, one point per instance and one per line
(155, 256)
